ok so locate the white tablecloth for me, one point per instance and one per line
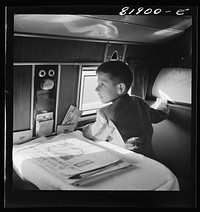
(146, 174)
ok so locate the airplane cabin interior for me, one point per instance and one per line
(55, 57)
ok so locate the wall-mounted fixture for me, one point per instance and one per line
(115, 51)
(45, 89)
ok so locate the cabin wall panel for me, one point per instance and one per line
(22, 76)
(178, 53)
(29, 49)
(147, 52)
(68, 89)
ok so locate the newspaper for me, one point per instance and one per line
(72, 116)
(101, 174)
(73, 160)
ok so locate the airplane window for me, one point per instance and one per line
(174, 84)
(89, 101)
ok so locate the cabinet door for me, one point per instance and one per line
(22, 78)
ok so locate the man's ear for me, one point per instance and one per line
(121, 87)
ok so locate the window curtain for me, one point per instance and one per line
(141, 69)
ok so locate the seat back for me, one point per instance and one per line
(172, 141)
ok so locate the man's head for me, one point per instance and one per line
(114, 80)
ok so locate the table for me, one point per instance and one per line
(146, 174)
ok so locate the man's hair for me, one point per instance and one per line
(118, 70)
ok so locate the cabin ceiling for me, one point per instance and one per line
(128, 28)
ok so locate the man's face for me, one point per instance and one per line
(106, 89)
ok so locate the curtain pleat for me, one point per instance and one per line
(140, 69)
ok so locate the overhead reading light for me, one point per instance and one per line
(114, 56)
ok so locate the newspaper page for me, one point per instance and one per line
(72, 116)
(72, 159)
